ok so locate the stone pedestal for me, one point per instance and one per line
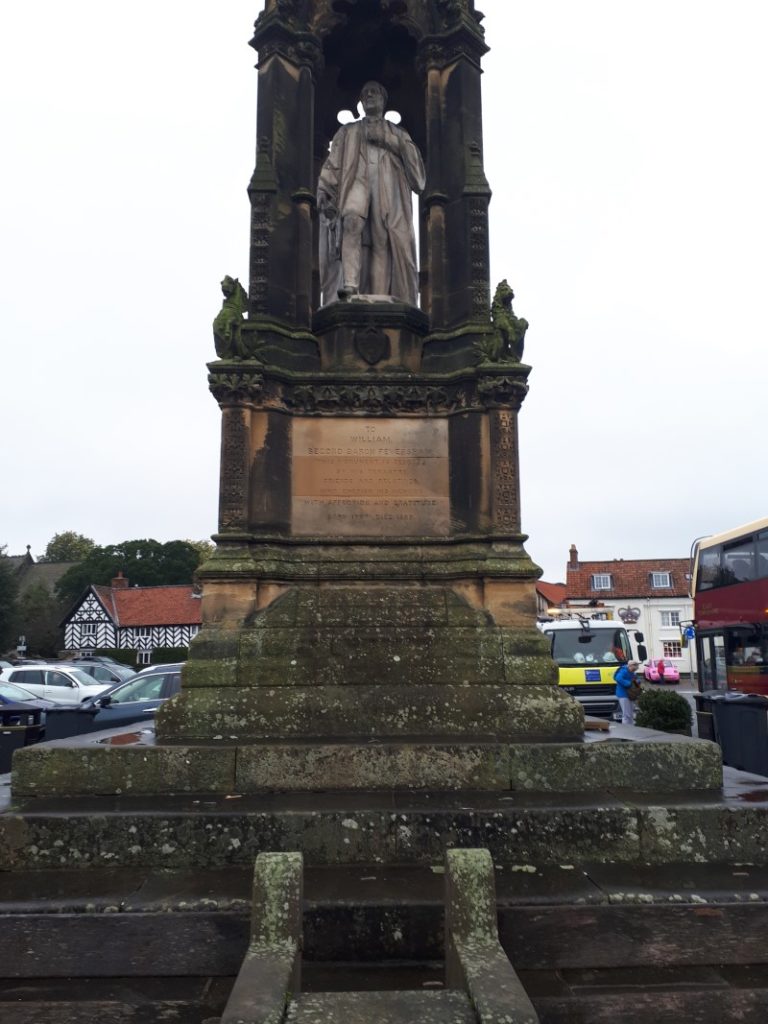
(370, 578)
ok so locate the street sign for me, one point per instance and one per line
(690, 633)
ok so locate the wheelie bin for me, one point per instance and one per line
(741, 729)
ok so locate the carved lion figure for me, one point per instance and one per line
(227, 327)
(508, 341)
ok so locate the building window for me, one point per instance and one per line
(144, 631)
(670, 618)
(144, 657)
(673, 649)
(88, 629)
(660, 580)
(601, 581)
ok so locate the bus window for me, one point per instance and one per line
(738, 564)
(709, 569)
(761, 554)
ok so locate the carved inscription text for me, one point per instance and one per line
(360, 477)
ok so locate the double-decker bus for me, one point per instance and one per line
(729, 587)
(588, 652)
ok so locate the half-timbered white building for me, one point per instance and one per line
(132, 618)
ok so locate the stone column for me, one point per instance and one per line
(235, 465)
(505, 477)
(281, 189)
(457, 193)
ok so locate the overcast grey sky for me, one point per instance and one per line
(626, 146)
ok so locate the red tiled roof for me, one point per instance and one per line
(553, 593)
(630, 578)
(151, 606)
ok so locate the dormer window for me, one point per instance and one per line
(601, 581)
(660, 580)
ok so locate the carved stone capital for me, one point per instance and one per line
(503, 390)
(282, 30)
(462, 40)
(230, 387)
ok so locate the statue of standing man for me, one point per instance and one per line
(367, 242)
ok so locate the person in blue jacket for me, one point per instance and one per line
(625, 676)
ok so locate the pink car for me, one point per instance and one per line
(651, 672)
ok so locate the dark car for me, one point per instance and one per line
(20, 725)
(136, 700)
(13, 695)
(10, 693)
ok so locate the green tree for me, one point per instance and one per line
(9, 589)
(38, 616)
(204, 549)
(67, 547)
(145, 563)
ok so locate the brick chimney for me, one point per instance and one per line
(119, 582)
(573, 557)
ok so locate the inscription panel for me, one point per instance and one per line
(370, 477)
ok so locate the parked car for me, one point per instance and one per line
(671, 672)
(651, 672)
(155, 668)
(136, 700)
(62, 684)
(109, 672)
(10, 693)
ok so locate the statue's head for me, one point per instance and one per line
(373, 97)
(228, 285)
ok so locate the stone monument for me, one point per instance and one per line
(369, 691)
(369, 578)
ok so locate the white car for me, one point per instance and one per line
(65, 685)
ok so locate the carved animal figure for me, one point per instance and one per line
(227, 327)
(509, 330)
(451, 10)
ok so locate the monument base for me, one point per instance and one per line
(378, 661)
(90, 767)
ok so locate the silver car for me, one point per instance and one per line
(64, 685)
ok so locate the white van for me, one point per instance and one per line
(65, 685)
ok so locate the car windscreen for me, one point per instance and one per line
(572, 647)
(82, 677)
(141, 688)
(11, 692)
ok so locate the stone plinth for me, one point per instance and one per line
(374, 661)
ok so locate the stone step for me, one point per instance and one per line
(137, 923)
(217, 830)
(638, 760)
(635, 995)
(439, 1007)
(704, 995)
(113, 1001)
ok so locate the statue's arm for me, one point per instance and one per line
(409, 153)
(330, 176)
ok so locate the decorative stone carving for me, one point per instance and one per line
(233, 507)
(451, 11)
(235, 387)
(372, 345)
(374, 399)
(334, 396)
(502, 390)
(227, 327)
(505, 499)
(507, 342)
